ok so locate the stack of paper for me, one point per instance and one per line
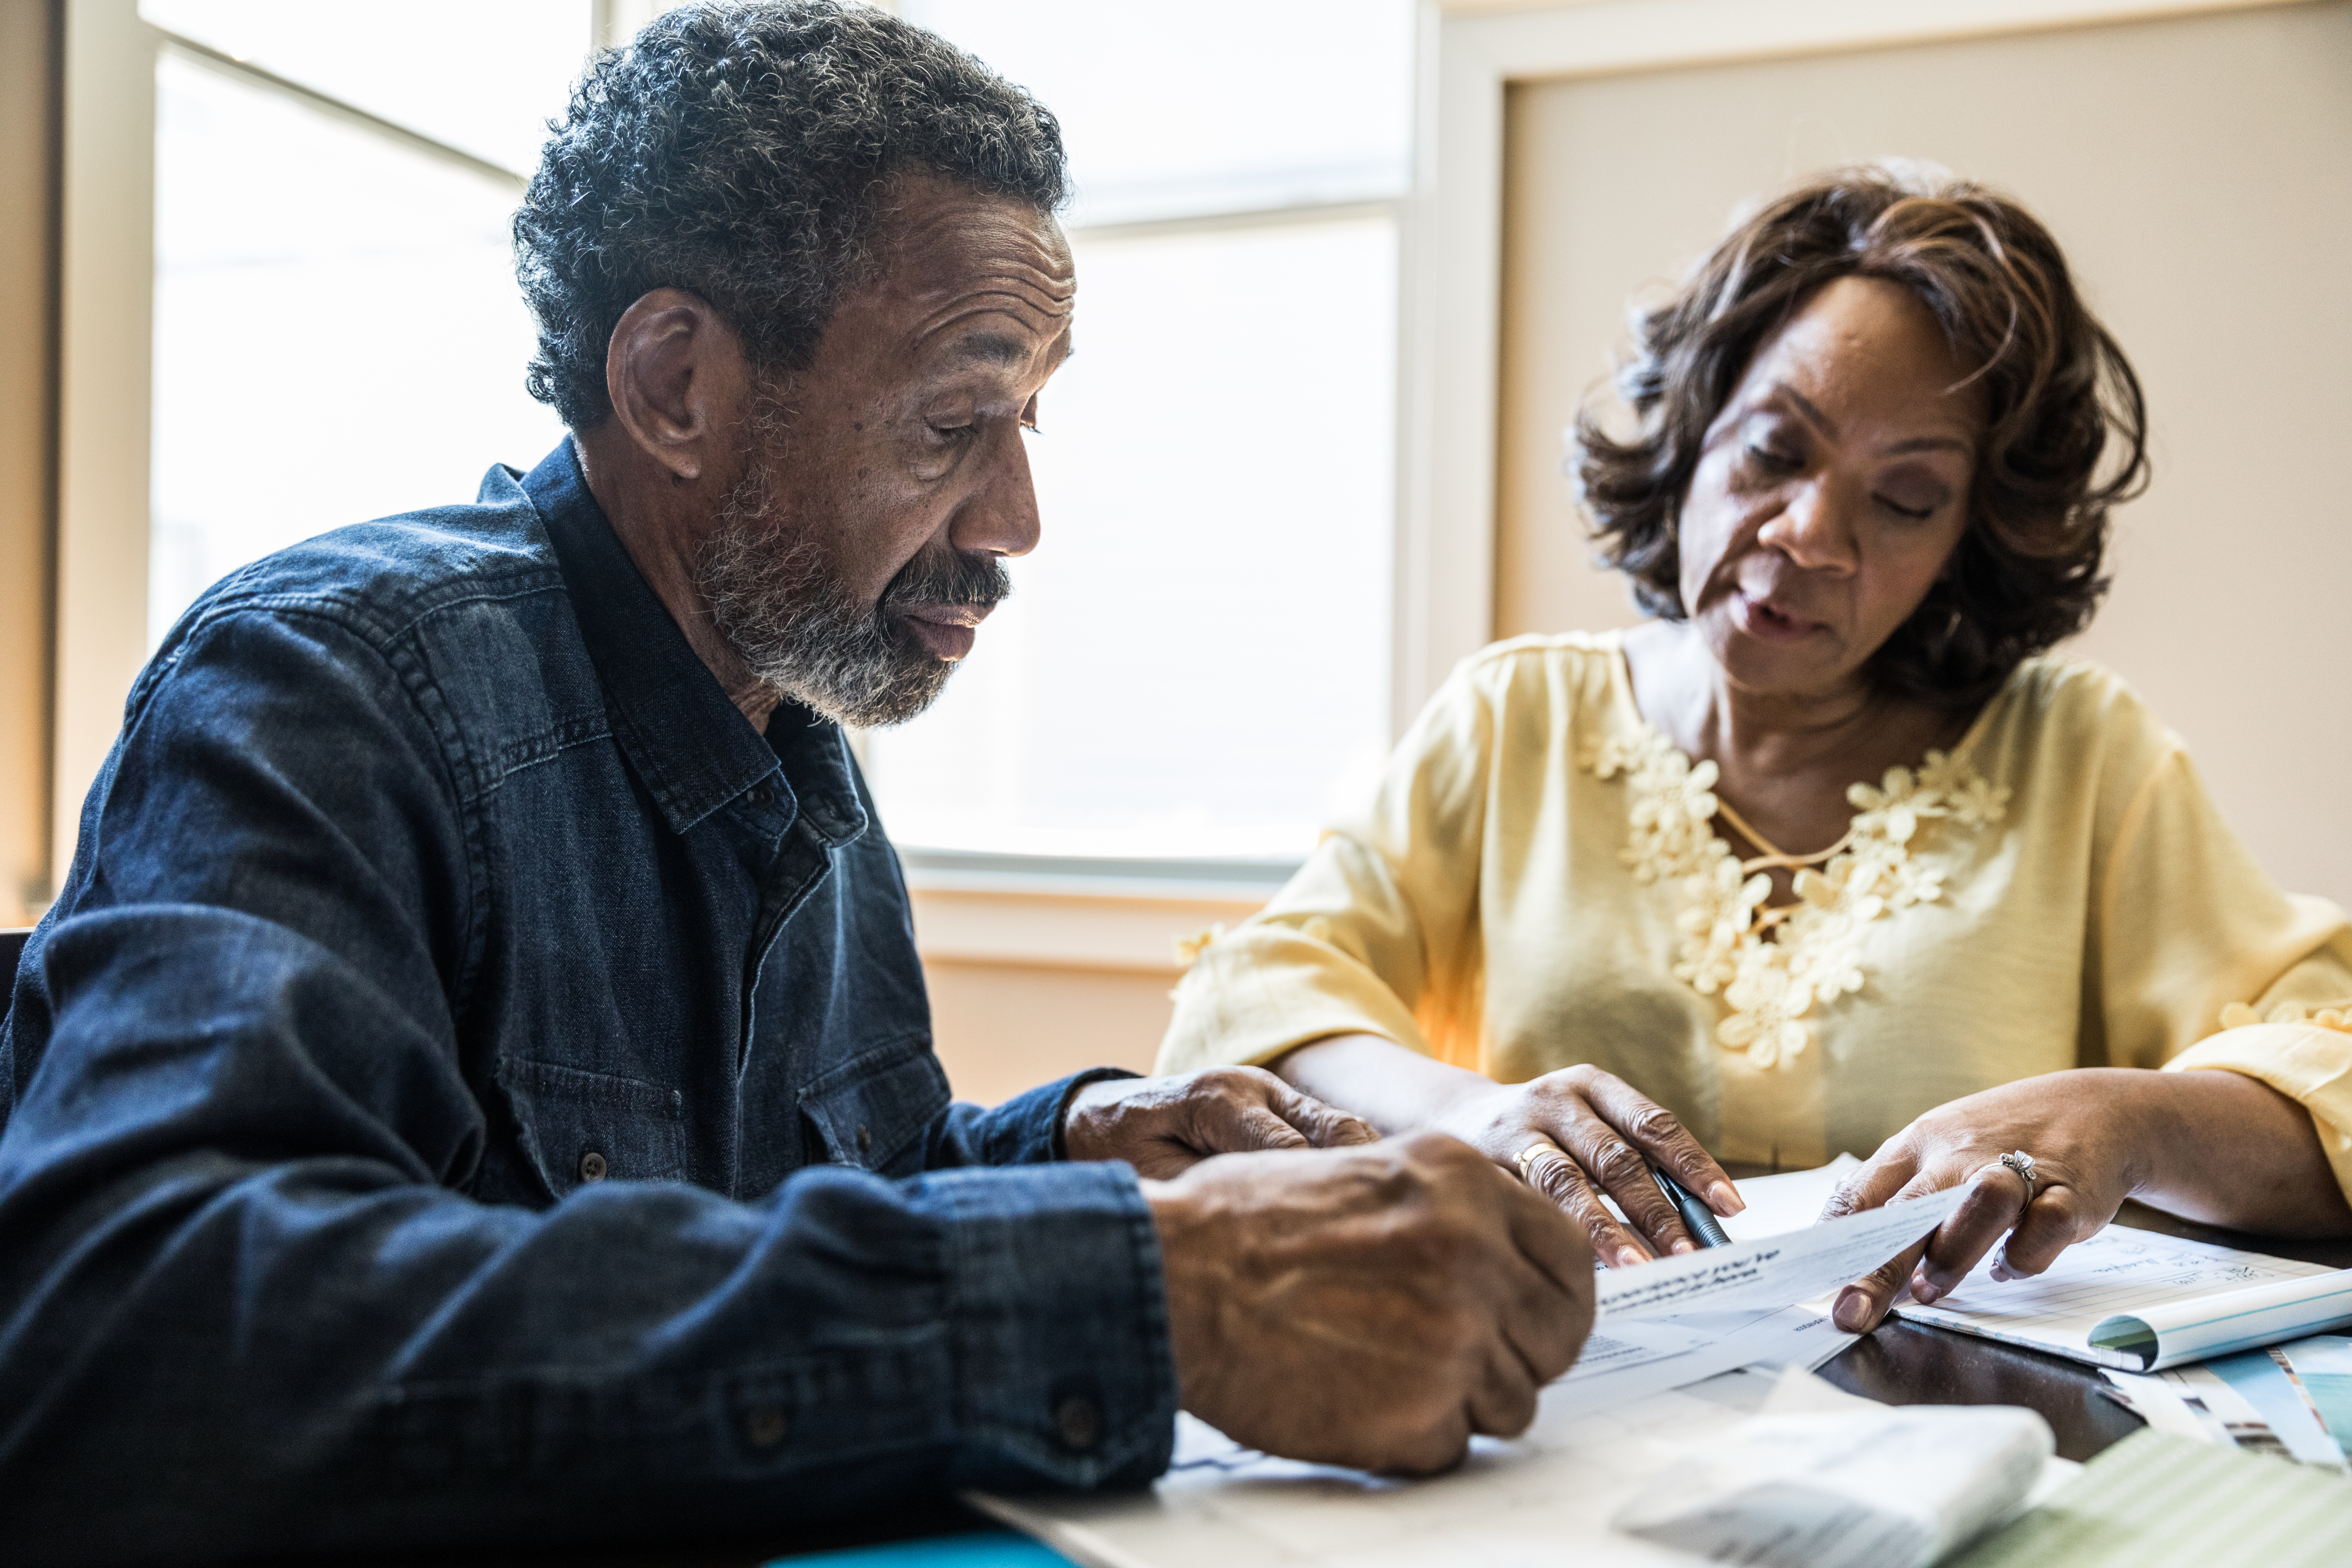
(1682, 1319)
(2292, 1401)
(2141, 1302)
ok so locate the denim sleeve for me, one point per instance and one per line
(1024, 1131)
(246, 1309)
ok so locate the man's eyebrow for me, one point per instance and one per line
(992, 348)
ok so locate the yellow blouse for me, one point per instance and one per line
(1537, 883)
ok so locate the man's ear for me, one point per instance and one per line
(679, 384)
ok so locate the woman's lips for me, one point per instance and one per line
(1760, 619)
(945, 631)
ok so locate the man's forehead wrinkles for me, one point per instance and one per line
(1038, 319)
(951, 242)
(992, 272)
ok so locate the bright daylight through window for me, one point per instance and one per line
(1195, 662)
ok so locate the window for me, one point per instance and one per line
(1195, 662)
(338, 333)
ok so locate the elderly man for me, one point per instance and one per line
(475, 1087)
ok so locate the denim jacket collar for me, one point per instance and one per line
(683, 736)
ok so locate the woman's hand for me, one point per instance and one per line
(2214, 1146)
(2083, 1170)
(1584, 1131)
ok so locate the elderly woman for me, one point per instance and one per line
(1831, 854)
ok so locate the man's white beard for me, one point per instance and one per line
(777, 597)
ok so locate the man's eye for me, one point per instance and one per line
(948, 434)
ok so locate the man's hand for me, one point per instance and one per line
(1164, 1126)
(1370, 1306)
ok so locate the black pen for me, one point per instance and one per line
(1696, 1217)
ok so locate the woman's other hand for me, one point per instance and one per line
(2081, 1151)
(2211, 1146)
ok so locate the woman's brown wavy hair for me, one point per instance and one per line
(2026, 571)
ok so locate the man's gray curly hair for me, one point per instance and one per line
(740, 152)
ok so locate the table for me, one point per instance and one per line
(1911, 1364)
(1900, 1363)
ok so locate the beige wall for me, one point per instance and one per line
(27, 430)
(2199, 173)
(1028, 983)
(1000, 1028)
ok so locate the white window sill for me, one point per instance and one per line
(1036, 911)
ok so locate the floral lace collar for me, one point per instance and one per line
(1772, 965)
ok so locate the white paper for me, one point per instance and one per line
(2246, 1401)
(2254, 1313)
(1542, 1500)
(2117, 1271)
(1773, 1272)
(1863, 1487)
(1790, 1336)
(1789, 1200)
(1638, 1343)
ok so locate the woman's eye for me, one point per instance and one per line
(1772, 459)
(1916, 513)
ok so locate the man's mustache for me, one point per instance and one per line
(940, 578)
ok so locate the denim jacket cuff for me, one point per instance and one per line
(1060, 1316)
(1027, 1128)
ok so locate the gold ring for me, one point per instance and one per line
(1525, 1161)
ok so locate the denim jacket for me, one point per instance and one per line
(475, 1088)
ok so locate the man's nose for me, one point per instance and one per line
(1816, 530)
(1000, 517)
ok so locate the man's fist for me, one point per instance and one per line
(1164, 1126)
(1368, 1307)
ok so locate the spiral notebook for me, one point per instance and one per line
(2139, 1301)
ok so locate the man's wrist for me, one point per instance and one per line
(1077, 1086)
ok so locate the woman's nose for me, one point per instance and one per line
(1816, 529)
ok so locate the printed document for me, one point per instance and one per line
(1775, 1270)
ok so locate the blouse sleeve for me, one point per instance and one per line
(2203, 962)
(1376, 933)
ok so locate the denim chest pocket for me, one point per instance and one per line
(581, 1127)
(872, 1110)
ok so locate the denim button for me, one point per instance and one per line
(764, 1426)
(1079, 1422)
(592, 1166)
(865, 1141)
(762, 796)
